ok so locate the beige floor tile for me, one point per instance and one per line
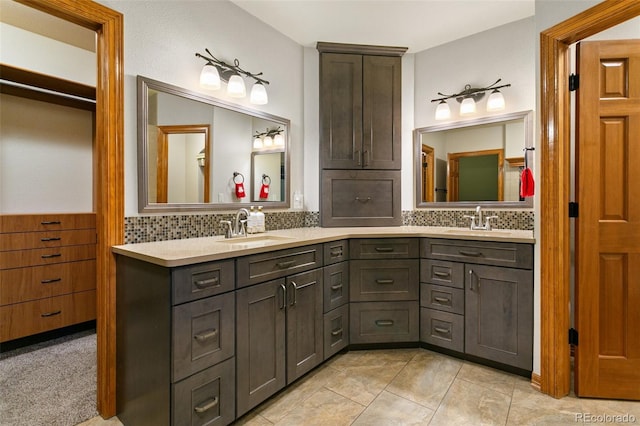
(373, 358)
(617, 409)
(426, 378)
(530, 407)
(99, 421)
(363, 384)
(467, 403)
(323, 408)
(252, 419)
(391, 410)
(488, 377)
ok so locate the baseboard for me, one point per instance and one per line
(536, 382)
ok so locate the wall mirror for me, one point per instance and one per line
(195, 150)
(474, 162)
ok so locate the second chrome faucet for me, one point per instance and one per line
(479, 224)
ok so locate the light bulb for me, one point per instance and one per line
(259, 94)
(495, 101)
(468, 106)
(257, 143)
(235, 87)
(442, 111)
(268, 141)
(278, 139)
(209, 77)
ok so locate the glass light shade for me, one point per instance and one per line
(442, 111)
(259, 94)
(257, 143)
(278, 139)
(267, 141)
(468, 106)
(495, 101)
(209, 77)
(235, 87)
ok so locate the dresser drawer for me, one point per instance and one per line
(38, 282)
(268, 266)
(383, 322)
(336, 285)
(35, 257)
(33, 240)
(206, 398)
(371, 280)
(442, 272)
(203, 334)
(442, 329)
(336, 251)
(384, 248)
(27, 318)
(514, 255)
(336, 331)
(442, 298)
(46, 222)
(202, 280)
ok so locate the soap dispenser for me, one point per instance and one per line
(252, 221)
(260, 222)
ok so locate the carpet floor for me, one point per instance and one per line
(49, 383)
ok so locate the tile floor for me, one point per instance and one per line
(420, 387)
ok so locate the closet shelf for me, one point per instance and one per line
(41, 87)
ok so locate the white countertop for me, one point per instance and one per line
(196, 250)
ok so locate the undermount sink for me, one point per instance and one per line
(252, 242)
(476, 232)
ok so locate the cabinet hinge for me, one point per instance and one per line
(573, 209)
(574, 82)
(573, 337)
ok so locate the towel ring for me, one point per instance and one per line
(266, 180)
(235, 175)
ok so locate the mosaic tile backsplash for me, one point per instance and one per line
(142, 229)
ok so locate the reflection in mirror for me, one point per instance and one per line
(190, 145)
(268, 176)
(475, 162)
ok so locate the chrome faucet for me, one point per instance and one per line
(479, 224)
(239, 227)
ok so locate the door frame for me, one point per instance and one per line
(108, 166)
(427, 157)
(555, 262)
(453, 171)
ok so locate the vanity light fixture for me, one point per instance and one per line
(468, 99)
(268, 139)
(215, 71)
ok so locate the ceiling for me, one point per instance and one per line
(416, 24)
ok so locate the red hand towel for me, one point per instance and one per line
(526, 183)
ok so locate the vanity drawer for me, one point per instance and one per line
(46, 222)
(442, 329)
(336, 331)
(442, 273)
(336, 285)
(206, 398)
(203, 334)
(385, 248)
(336, 251)
(373, 280)
(268, 266)
(46, 256)
(34, 240)
(202, 280)
(442, 298)
(383, 322)
(512, 255)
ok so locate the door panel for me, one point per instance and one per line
(608, 228)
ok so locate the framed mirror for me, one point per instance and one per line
(474, 162)
(194, 151)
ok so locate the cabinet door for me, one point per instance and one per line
(305, 343)
(499, 314)
(340, 111)
(260, 343)
(381, 112)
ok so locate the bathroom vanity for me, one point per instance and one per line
(208, 328)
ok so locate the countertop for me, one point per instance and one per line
(196, 250)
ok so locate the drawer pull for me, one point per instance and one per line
(442, 274)
(442, 300)
(206, 407)
(51, 222)
(50, 256)
(287, 264)
(44, 240)
(52, 280)
(384, 323)
(442, 330)
(206, 335)
(337, 332)
(336, 253)
(336, 287)
(206, 283)
(363, 200)
(50, 314)
(470, 253)
(384, 249)
(384, 281)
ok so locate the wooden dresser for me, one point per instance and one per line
(47, 272)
